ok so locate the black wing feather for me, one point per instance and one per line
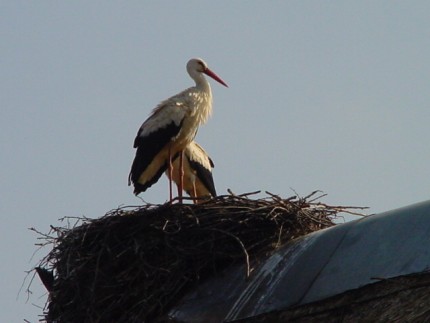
(205, 175)
(147, 148)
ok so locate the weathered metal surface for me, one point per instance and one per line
(317, 266)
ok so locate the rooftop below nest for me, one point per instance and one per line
(316, 267)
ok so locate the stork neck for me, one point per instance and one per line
(202, 84)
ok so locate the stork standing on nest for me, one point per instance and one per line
(171, 126)
(198, 181)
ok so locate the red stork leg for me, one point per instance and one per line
(170, 174)
(181, 175)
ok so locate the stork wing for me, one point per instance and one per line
(202, 164)
(162, 117)
(155, 133)
(204, 175)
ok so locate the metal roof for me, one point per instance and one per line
(317, 266)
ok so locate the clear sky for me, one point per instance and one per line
(324, 95)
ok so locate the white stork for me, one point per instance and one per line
(171, 126)
(198, 180)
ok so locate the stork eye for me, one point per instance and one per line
(202, 65)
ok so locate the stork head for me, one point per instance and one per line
(197, 66)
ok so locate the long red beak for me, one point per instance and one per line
(208, 72)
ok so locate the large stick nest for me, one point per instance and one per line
(132, 263)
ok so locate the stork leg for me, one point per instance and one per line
(195, 194)
(170, 174)
(181, 175)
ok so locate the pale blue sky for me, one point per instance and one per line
(328, 95)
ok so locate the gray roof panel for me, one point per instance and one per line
(317, 266)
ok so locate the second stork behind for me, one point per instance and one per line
(198, 181)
